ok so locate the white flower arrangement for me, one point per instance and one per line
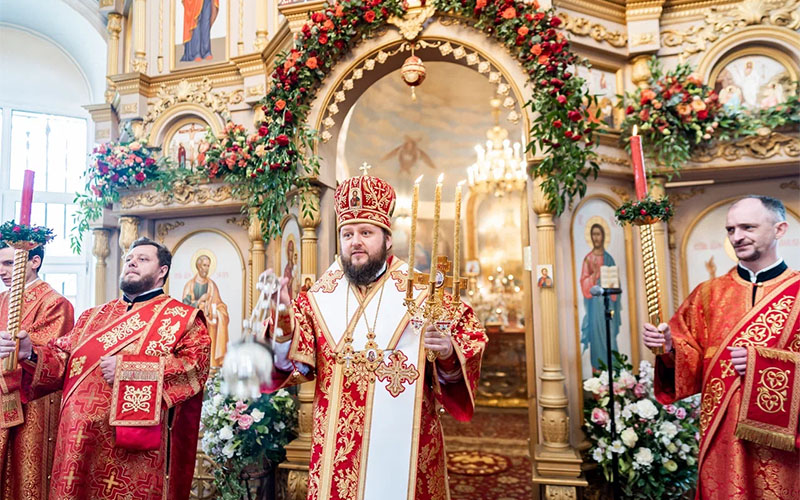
(239, 433)
(656, 445)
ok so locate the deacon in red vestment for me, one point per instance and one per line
(736, 339)
(132, 373)
(376, 427)
(26, 450)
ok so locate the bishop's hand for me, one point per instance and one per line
(655, 337)
(7, 345)
(108, 365)
(437, 342)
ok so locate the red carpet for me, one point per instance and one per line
(488, 457)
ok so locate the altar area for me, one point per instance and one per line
(254, 156)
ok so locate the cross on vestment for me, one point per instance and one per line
(397, 372)
(79, 437)
(71, 477)
(111, 482)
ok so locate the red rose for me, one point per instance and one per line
(629, 110)
(577, 137)
(643, 211)
(317, 17)
(509, 13)
(17, 229)
(622, 212)
(567, 75)
(327, 25)
(702, 115)
(555, 22)
(262, 131)
(557, 124)
(140, 177)
(561, 99)
(311, 63)
(149, 162)
(282, 140)
(323, 38)
(287, 116)
(369, 16)
(574, 115)
(568, 134)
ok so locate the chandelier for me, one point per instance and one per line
(500, 167)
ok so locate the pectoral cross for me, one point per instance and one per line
(364, 168)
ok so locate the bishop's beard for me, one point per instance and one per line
(144, 284)
(364, 274)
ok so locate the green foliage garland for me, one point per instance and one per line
(11, 232)
(645, 211)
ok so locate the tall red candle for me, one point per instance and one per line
(27, 198)
(637, 157)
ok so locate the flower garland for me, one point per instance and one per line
(238, 434)
(645, 211)
(11, 232)
(656, 445)
(677, 113)
(560, 131)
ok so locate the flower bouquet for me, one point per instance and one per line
(11, 232)
(645, 211)
(240, 434)
(226, 154)
(656, 444)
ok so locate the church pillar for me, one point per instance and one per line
(557, 465)
(658, 190)
(262, 30)
(114, 28)
(640, 72)
(139, 36)
(258, 258)
(128, 232)
(298, 452)
(101, 250)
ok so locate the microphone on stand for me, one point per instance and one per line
(598, 291)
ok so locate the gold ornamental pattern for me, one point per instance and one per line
(76, 367)
(168, 330)
(767, 325)
(122, 331)
(711, 399)
(327, 284)
(772, 390)
(137, 399)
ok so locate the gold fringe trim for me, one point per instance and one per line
(764, 437)
(778, 354)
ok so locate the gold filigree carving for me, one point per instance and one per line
(555, 427)
(720, 21)
(581, 26)
(182, 194)
(790, 185)
(643, 39)
(773, 388)
(615, 160)
(163, 229)
(239, 221)
(130, 109)
(412, 22)
(554, 492)
(201, 93)
(762, 146)
(622, 192)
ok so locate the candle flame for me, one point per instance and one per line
(635, 130)
(460, 183)
(419, 179)
(440, 179)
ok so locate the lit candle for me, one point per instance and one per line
(437, 208)
(412, 242)
(457, 237)
(27, 198)
(637, 157)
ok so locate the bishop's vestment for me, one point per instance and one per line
(26, 450)
(138, 438)
(376, 430)
(763, 317)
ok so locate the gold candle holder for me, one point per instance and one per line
(21, 249)
(651, 284)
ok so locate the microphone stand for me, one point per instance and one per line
(615, 493)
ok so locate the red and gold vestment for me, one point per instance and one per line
(162, 347)
(26, 450)
(376, 432)
(730, 311)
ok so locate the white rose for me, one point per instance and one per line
(629, 437)
(646, 409)
(217, 399)
(592, 385)
(626, 379)
(228, 450)
(257, 415)
(668, 429)
(226, 433)
(627, 412)
(643, 456)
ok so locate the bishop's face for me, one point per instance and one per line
(364, 250)
(141, 271)
(752, 230)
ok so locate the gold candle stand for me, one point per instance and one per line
(651, 283)
(21, 249)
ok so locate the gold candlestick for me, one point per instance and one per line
(651, 285)
(412, 243)
(15, 298)
(437, 209)
(457, 244)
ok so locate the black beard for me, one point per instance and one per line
(137, 287)
(365, 273)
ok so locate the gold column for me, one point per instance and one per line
(298, 452)
(114, 28)
(128, 232)
(257, 256)
(556, 462)
(139, 33)
(658, 190)
(101, 250)
(262, 25)
(640, 72)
